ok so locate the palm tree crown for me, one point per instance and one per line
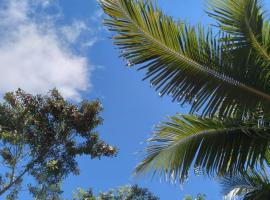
(222, 71)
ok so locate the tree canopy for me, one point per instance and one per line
(41, 136)
(122, 193)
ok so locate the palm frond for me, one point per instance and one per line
(248, 36)
(183, 61)
(251, 185)
(247, 27)
(215, 146)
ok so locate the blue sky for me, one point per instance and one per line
(62, 43)
(132, 108)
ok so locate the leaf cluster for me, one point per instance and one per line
(122, 193)
(42, 135)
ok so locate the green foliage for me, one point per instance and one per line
(187, 197)
(224, 77)
(213, 146)
(123, 193)
(41, 136)
(249, 186)
(188, 62)
(198, 197)
(82, 194)
(246, 25)
(46, 191)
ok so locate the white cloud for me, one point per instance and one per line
(91, 42)
(73, 31)
(34, 56)
(46, 3)
(97, 15)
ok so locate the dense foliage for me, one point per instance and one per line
(198, 197)
(40, 138)
(249, 186)
(123, 193)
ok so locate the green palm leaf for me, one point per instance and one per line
(247, 27)
(186, 62)
(216, 147)
(249, 186)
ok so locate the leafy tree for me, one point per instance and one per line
(40, 138)
(198, 197)
(82, 194)
(222, 71)
(123, 193)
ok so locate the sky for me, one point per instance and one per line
(63, 44)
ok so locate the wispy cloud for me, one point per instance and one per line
(36, 55)
(73, 31)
